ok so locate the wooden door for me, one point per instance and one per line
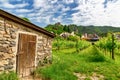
(26, 54)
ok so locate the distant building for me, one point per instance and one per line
(66, 34)
(90, 37)
(117, 35)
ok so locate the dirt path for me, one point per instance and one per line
(94, 76)
(30, 78)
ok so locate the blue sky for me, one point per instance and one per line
(79, 12)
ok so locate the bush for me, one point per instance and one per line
(58, 44)
(73, 38)
(58, 37)
(63, 44)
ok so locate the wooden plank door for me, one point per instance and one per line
(26, 54)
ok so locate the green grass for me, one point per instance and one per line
(91, 60)
(67, 61)
(8, 76)
(59, 69)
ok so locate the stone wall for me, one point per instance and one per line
(44, 50)
(9, 42)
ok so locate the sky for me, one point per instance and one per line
(79, 12)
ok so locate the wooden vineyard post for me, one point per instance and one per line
(113, 47)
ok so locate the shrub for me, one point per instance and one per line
(58, 37)
(63, 44)
(57, 44)
(73, 38)
(69, 44)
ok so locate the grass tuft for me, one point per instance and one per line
(8, 76)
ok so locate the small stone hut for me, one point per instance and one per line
(23, 45)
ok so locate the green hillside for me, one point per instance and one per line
(100, 30)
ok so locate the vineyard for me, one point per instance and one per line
(109, 45)
(83, 60)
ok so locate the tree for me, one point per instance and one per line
(65, 28)
(26, 19)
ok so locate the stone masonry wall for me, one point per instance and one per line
(44, 50)
(9, 42)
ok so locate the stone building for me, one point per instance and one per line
(90, 37)
(66, 34)
(23, 45)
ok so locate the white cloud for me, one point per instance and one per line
(21, 5)
(57, 19)
(23, 10)
(93, 12)
(39, 3)
(21, 15)
(32, 15)
(41, 19)
(53, 1)
(46, 10)
(6, 4)
(3, 1)
(68, 1)
(113, 13)
(65, 9)
(17, 0)
(88, 12)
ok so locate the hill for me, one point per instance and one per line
(58, 28)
